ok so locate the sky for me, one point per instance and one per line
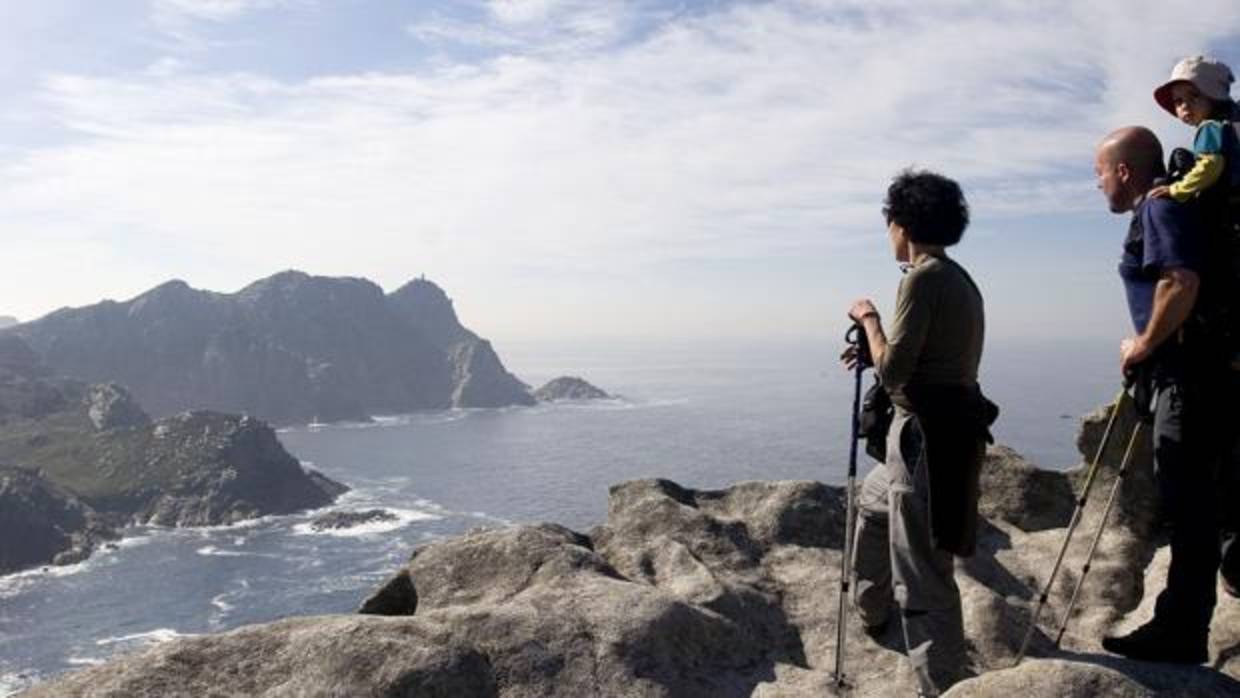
(576, 169)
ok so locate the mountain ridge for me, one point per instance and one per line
(289, 348)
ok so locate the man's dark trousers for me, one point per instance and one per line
(1187, 447)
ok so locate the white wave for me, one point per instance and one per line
(150, 637)
(206, 531)
(487, 517)
(133, 541)
(17, 582)
(381, 421)
(85, 661)
(455, 414)
(373, 492)
(219, 602)
(404, 517)
(12, 683)
(216, 551)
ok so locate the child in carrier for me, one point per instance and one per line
(1199, 94)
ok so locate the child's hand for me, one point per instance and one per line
(1161, 191)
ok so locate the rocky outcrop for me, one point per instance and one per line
(291, 348)
(207, 469)
(88, 459)
(689, 593)
(569, 388)
(110, 406)
(337, 520)
(41, 524)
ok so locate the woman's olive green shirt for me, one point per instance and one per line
(937, 332)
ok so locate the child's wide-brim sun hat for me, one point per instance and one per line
(1211, 78)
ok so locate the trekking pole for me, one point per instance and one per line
(856, 337)
(1093, 546)
(1072, 524)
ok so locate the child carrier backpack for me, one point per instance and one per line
(1217, 316)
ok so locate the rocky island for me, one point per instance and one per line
(569, 388)
(291, 348)
(340, 520)
(686, 593)
(81, 460)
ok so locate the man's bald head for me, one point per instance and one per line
(1127, 163)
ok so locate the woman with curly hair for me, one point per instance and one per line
(919, 509)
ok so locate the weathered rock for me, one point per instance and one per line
(396, 597)
(112, 407)
(326, 656)
(42, 524)
(692, 593)
(569, 388)
(1088, 676)
(335, 520)
(1023, 495)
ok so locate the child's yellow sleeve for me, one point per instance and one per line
(1205, 173)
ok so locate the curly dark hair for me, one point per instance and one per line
(930, 207)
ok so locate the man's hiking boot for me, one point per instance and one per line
(1153, 642)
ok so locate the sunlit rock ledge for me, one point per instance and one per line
(722, 593)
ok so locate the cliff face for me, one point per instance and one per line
(290, 348)
(687, 593)
(42, 523)
(86, 458)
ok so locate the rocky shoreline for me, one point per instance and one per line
(704, 593)
(79, 462)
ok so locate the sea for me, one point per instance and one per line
(704, 414)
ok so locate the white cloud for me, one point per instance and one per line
(213, 10)
(549, 28)
(184, 25)
(524, 11)
(759, 131)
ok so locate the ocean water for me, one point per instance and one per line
(705, 415)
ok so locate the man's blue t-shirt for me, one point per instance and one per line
(1163, 235)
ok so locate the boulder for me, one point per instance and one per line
(1089, 676)
(1025, 496)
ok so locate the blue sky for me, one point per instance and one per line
(571, 168)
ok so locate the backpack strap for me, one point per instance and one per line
(963, 272)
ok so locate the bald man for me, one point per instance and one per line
(1163, 256)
